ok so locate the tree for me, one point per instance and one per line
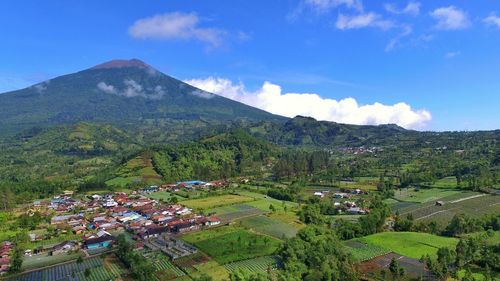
(468, 276)
(87, 272)
(394, 269)
(272, 208)
(16, 260)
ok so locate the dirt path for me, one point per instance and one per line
(467, 198)
(435, 213)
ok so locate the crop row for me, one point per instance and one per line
(260, 264)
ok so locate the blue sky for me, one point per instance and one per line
(346, 60)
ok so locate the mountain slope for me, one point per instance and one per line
(120, 92)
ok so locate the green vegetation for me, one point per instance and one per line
(229, 244)
(362, 251)
(218, 157)
(269, 226)
(410, 244)
(216, 201)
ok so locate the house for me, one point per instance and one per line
(152, 232)
(64, 248)
(212, 221)
(356, 211)
(109, 203)
(101, 240)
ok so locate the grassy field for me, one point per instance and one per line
(216, 201)
(410, 244)
(363, 185)
(263, 201)
(269, 226)
(229, 244)
(448, 182)
(212, 269)
(424, 195)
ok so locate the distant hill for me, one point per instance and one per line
(119, 92)
(308, 132)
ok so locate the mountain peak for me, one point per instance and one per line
(122, 64)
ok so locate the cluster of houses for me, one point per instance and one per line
(361, 150)
(344, 201)
(190, 185)
(6, 249)
(100, 215)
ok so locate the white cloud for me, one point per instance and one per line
(347, 110)
(110, 89)
(324, 5)
(175, 26)
(492, 20)
(132, 89)
(41, 87)
(412, 8)
(450, 18)
(361, 21)
(451, 55)
(394, 42)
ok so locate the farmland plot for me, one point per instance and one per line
(362, 251)
(269, 226)
(260, 264)
(410, 244)
(73, 271)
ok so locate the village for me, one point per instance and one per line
(95, 220)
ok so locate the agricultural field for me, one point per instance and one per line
(216, 201)
(235, 212)
(38, 261)
(447, 182)
(410, 244)
(228, 244)
(269, 226)
(377, 268)
(363, 251)
(260, 264)
(165, 269)
(423, 195)
(212, 269)
(471, 203)
(263, 202)
(100, 270)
